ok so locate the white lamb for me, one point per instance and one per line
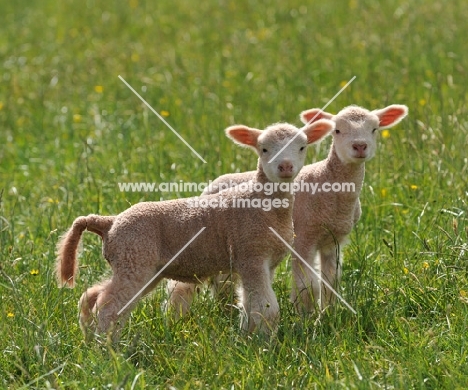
(322, 221)
(139, 242)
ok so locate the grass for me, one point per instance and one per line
(71, 130)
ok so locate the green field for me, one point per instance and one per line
(70, 131)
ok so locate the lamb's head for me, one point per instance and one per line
(355, 135)
(281, 147)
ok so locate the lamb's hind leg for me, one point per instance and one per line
(113, 301)
(180, 297)
(258, 301)
(223, 287)
(331, 264)
(87, 308)
(306, 291)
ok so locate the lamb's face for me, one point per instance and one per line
(281, 147)
(354, 138)
(287, 146)
(355, 134)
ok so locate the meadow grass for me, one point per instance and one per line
(71, 130)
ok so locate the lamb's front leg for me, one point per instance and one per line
(306, 289)
(331, 264)
(258, 300)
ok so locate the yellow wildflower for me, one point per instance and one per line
(98, 88)
(77, 118)
(385, 134)
(165, 113)
(10, 315)
(327, 372)
(425, 265)
(34, 272)
(343, 83)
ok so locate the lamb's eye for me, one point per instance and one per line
(374, 130)
(337, 131)
(264, 150)
(301, 149)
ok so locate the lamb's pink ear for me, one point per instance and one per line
(314, 114)
(317, 130)
(391, 115)
(243, 135)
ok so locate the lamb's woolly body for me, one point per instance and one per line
(140, 241)
(157, 236)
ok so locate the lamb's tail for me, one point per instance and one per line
(67, 263)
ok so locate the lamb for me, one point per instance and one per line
(323, 220)
(139, 242)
